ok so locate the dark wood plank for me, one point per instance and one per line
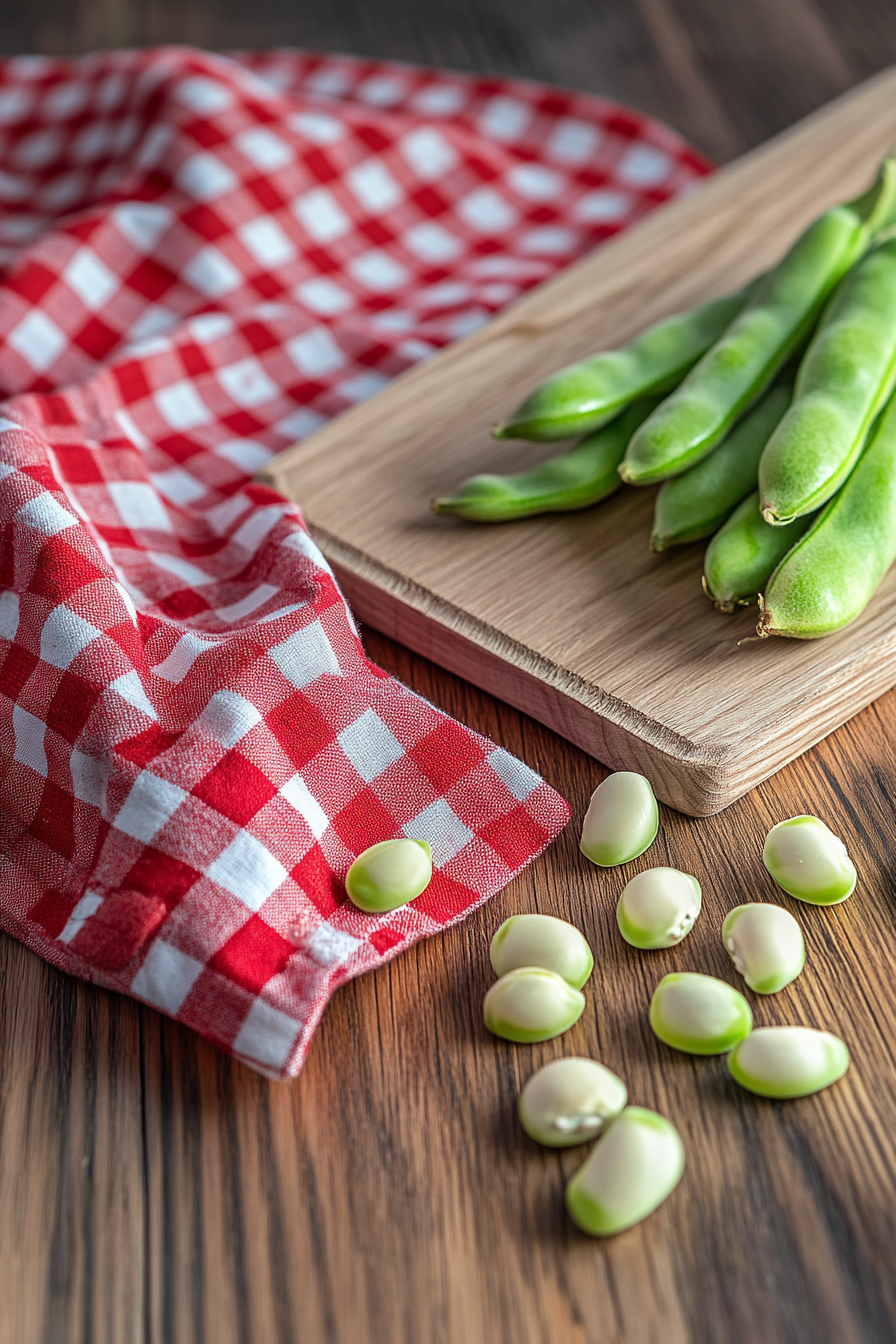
(153, 1190)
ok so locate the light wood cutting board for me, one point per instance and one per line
(570, 618)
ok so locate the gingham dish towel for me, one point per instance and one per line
(203, 258)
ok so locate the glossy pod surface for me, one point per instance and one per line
(699, 1014)
(788, 1062)
(772, 326)
(542, 940)
(658, 908)
(570, 1101)
(584, 395)
(742, 363)
(766, 945)
(744, 554)
(635, 1166)
(844, 379)
(831, 574)
(622, 819)
(576, 479)
(809, 862)
(696, 503)
(389, 874)
(531, 1004)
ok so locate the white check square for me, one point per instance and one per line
(150, 804)
(248, 871)
(267, 1036)
(166, 977)
(370, 745)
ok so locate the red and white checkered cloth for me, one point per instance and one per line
(203, 258)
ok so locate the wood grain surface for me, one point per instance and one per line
(570, 618)
(154, 1192)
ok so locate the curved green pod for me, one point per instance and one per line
(696, 503)
(584, 395)
(831, 574)
(633, 1167)
(845, 377)
(699, 1014)
(771, 328)
(576, 479)
(744, 554)
(788, 1062)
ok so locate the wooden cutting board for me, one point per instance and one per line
(570, 618)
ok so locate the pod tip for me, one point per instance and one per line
(501, 430)
(659, 543)
(764, 628)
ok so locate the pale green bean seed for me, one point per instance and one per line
(622, 820)
(809, 862)
(699, 1014)
(787, 1062)
(389, 874)
(766, 945)
(532, 1004)
(658, 908)
(633, 1167)
(542, 940)
(570, 1101)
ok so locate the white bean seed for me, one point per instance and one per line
(570, 1101)
(658, 908)
(788, 1062)
(699, 1014)
(766, 945)
(532, 1004)
(622, 820)
(809, 861)
(542, 940)
(634, 1166)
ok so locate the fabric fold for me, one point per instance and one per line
(204, 258)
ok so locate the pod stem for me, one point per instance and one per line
(876, 207)
(764, 627)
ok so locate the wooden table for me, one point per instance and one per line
(153, 1190)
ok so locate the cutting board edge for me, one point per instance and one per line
(684, 774)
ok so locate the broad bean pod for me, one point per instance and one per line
(572, 480)
(744, 554)
(584, 395)
(697, 503)
(773, 325)
(846, 375)
(830, 575)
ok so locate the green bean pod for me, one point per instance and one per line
(575, 479)
(744, 553)
(697, 503)
(831, 574)
(845, 377)
(584, 395)
(773, 325)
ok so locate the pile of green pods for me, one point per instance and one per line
(769, 416)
